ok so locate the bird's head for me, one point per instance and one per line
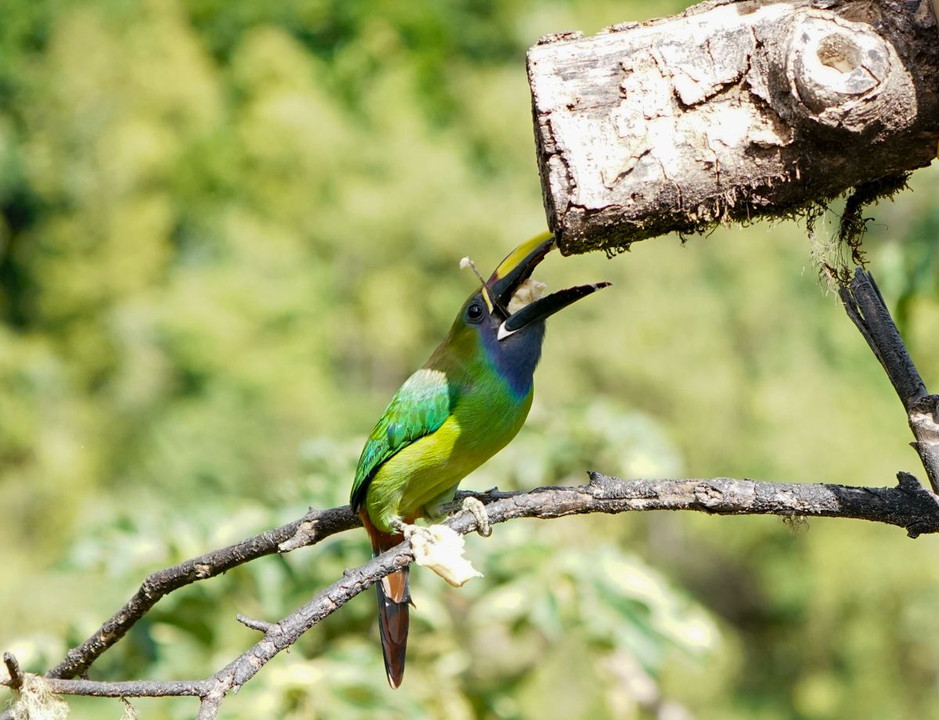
(509, 310)
(510, 301)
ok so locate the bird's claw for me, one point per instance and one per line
(475, 507)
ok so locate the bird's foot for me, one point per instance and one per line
(439, 548)
(475, 507)
(411, 531)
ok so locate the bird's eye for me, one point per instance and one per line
(474, 313)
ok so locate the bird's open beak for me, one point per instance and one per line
(511, 281)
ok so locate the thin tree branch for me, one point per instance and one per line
(868, 311)
(866, 308)
(308, 530)
(277, 637)
(907, 505)
(128, 688)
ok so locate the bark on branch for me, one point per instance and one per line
(308, 530)
(728, 111)
(731, 110)
(868, 311)
(907, 505)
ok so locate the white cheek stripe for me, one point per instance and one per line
(503, 332)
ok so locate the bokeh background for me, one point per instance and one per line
(230, 229)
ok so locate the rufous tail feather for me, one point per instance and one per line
(394, 597)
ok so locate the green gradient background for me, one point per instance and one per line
(229, 230)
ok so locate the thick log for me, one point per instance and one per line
(729, 112)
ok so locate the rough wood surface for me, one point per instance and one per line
(730, 111)
(907, 505)
(868, 311)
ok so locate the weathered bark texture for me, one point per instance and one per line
(908, 505)
(730, 111)
(868, 311)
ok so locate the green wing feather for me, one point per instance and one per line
(420, 407)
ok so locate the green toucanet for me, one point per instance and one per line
(463, 406)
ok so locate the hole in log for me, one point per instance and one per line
(838, 52)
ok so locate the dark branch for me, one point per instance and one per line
(868, 311)
(907, 505)
(866, 308)
(128, 688)
(277, 637)
(308, 530)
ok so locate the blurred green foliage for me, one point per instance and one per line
(228, 231)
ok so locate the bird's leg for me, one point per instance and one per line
(475, 507)
(444, 505)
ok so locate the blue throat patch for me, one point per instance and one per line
(516, 357)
